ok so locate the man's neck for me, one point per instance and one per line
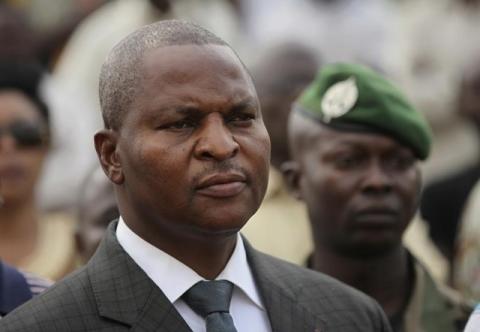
(207, 257)
(385, 278)
(206, 254)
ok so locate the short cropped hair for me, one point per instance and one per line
(121, 72)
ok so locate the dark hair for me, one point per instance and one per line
(25, 78)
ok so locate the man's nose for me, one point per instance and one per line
(377, 179)
(215, 140)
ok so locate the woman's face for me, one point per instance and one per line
(23, 146)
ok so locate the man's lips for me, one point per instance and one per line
(11, 172)
(222, 185)
(376, 217)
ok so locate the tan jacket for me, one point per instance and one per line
(280, 227)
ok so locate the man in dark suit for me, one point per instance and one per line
(186, 148)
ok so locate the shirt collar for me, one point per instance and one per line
(238, 272)
(173, 277)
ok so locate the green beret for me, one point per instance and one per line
(353, 97)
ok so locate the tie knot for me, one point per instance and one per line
(207, 297)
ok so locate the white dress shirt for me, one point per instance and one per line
(174, 278)
(473, 323)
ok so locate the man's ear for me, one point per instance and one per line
(106, 146)
(291, 173)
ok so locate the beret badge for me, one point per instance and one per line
(339, 99)
(352, 97)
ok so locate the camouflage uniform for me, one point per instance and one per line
(433, 307)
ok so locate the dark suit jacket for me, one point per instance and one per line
(111, 293)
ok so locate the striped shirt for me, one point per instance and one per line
(36, 284)
(17, 287)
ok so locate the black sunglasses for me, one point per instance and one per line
(26, 134)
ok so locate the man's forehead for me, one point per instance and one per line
(312, 134)
(358, 138)
(203, 67)
(190, 58)
(193, 74)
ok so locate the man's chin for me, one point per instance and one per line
(369, 250)
(224, 227)
(215, 233)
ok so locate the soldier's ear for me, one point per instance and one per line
(291, 173)
(106, 145)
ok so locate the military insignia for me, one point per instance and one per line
(339, 99)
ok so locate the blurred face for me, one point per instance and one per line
(276, 110)
(193, 152)
(280, 80)
(469, 97)
(361, 190)
(99, 208)
(23, 146)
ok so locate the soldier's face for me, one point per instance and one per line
(361, 190)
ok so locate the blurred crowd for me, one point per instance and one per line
(57, 202)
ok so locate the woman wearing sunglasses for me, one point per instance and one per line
(29, 240)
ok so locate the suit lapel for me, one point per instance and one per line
(124, 293)
(284, 311)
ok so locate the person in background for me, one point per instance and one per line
(17, 287)
(466, 265)
(345, 30)
(427, 54)
(279, 76)
(78, 70)
(355, 144)
(69, 142)
(443, 201)
(29, 240)
(53, 22)
(96, 209)
(189, 167)
(466, 262)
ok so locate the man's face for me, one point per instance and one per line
(193, 148)
(361, 190)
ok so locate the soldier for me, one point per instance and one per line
(356, 143)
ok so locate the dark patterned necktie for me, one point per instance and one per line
(211, 300)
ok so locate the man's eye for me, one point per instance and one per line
(242, 118)
(346, 162)
(184, 124)
(401, 162)
(180, 125)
